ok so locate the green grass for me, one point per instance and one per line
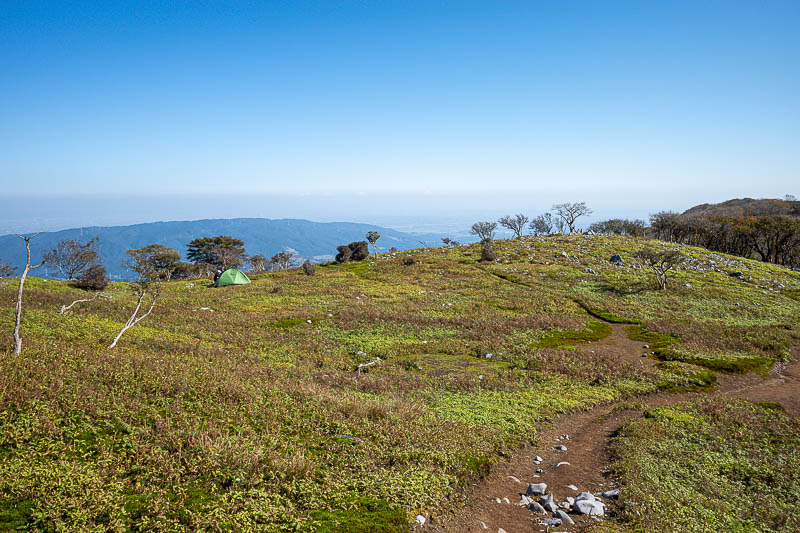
(712, 465)
(250, 418)
(596, 331)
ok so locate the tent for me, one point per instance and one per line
(232, 276)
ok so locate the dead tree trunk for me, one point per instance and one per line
(133, 320)
(66, 308)
(18, 309)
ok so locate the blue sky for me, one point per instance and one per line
(653, 104)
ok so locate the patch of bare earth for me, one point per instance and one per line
(587, 448)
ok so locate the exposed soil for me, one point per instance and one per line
(588, 446)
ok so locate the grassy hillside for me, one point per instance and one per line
(747, 207)
(241, 407)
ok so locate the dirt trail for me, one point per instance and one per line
(588, 446)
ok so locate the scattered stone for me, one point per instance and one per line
(573, 487)
(536, 508)
(614, 493)
(564, 505)
(585, 496)
(498, 500)
(538, 459)
(524, 501)
(590, 507)
(548, 504)
(570, 501)
(484, 526)
(644, 354)
(590, 271)
(552, 522)
(561, 447)
(536, 489)
(514, 479)
(308, 321)
(737, 274)
(565, 518)
(563, 463)
(420, 519)
(539, 470)
(645, 346)
(488, 356)
(564, 254)
(501, 530)
(506, 500)
(616, 259)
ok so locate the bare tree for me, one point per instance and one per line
(281, 261)
(372, 237)
(148, 283)
(18, 309)
(570, 212)
(543, 224)
(484, 230)
(447, 241)
(258, 263)
(72, 258)
(6, 269)
(661, 262)
(515, 223)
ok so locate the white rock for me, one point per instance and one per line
(536, 489)
(590, 507)
(420, 519)
(514, 479)
(573, 487)
(562, 463)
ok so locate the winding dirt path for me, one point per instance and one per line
(587, 447)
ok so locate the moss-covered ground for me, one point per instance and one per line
(711, 465)
(241, 408)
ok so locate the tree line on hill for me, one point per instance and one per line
(773, 238)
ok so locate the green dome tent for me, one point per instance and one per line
(232, 276)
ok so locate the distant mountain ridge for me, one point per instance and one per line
(746, 207)
(312, 240)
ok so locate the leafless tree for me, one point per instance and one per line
(661, 262)
(6, 269)
(372, 237)
(515, 223)
(258, 263)
(447, 241)
(570, 212)
(18, 309)
(72, 258)
(281, 261)
(147, 284)
(484, 230)
(542, 225)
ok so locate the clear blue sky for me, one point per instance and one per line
(656, 103)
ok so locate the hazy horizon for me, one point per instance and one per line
(423, 213)
(642, 106)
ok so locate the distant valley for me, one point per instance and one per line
(313, 240)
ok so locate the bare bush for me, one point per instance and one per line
(515, 223)
(661, 262)
(570, 212)
(309, 268)
(484, 230)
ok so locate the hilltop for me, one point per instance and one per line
(746, 207)
(314, 240)
(243, 408)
